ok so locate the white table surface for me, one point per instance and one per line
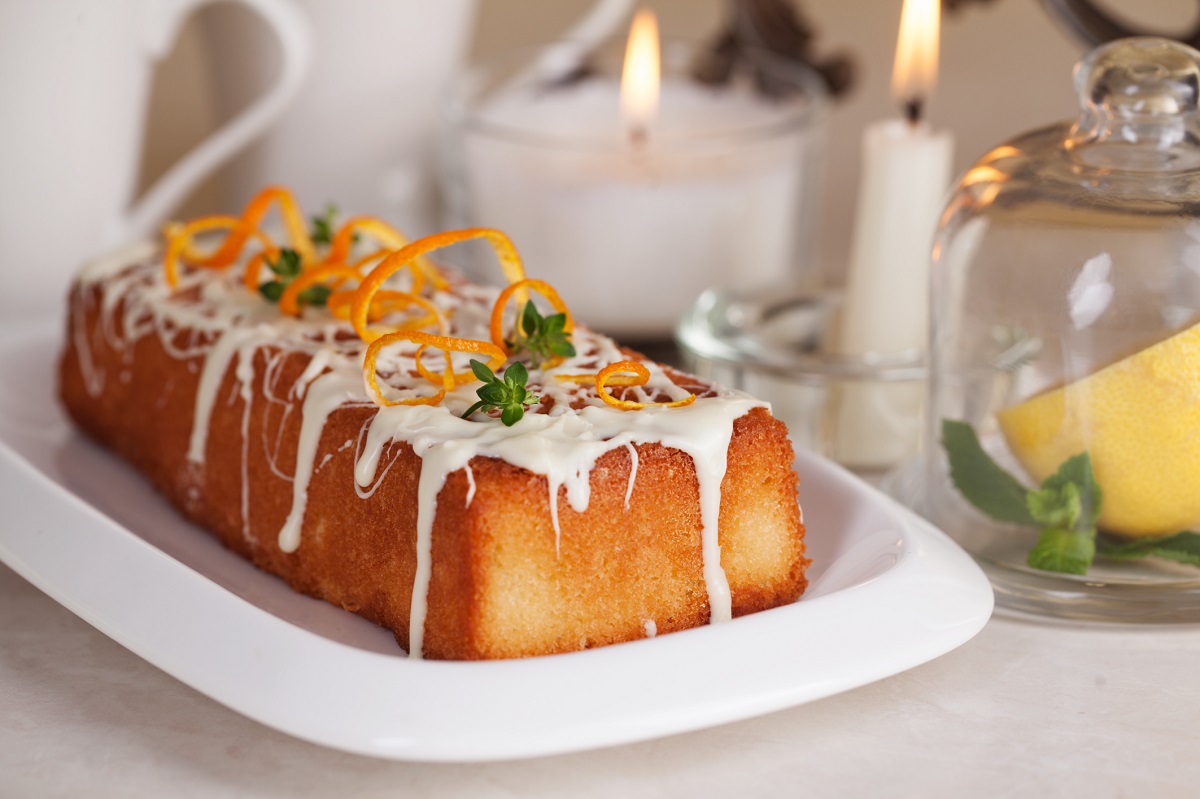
(1026, 709)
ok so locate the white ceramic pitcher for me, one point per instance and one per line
(74, 82)
(362, 132)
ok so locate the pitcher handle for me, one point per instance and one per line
(163, 19)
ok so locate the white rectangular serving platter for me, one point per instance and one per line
(887, 593)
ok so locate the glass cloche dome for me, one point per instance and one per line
(1063, 434)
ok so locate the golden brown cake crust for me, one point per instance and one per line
(504, 582)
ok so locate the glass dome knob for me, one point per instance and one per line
(1139, 99)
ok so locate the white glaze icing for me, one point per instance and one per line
(633, 467)
(325, 395)
(470, 485)
(214, 319)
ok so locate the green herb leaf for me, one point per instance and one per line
(494, 393)
(542, 337)
(1065, 506)
(287, 265)
(1068, 505)
(1078, 471)
(516, 376)
(323, 227)
(530, 319)
(509, 396)
(271, 290)
(980, 479)
(1067, 551)
(481, 371)
(314, 295)
(1056, 506)
(1181, 547)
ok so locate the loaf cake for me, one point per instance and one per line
(334, 435)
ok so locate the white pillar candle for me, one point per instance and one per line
(905, 174)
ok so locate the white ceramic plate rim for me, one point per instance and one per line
(896, 594)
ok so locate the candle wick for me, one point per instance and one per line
(914, 109)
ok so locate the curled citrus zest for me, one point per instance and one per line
(448, 378)
(253, 269)
(496, 359)
(505, 252)
(338, 304)
(390, 238)
(375, 258)
(386, 301)
(335, 274)
(590, 380)
(541, 287)
(179, 242)
(643, 374)
(251, 219)
(372, 379)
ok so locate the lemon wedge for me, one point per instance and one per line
(1139, 419)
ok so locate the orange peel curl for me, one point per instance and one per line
(179, 242)
(495, 328)
(642, 375)
(590, 380)
(253, 269)
(251, 219)
(387, 300)
(390, 238)
(510, 262)
(447, 344)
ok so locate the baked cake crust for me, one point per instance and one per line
(513, 570)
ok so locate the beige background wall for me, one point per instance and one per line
(1005, 68)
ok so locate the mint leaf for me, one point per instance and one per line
(1181, 547)
(1066, 551)
(980, 479)
(1066, 507)
(1077, 471)
(1056, 506)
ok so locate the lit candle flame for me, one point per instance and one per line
(640, 76)
(915, 70)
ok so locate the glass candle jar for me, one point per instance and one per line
(631, 223)
(1063, 436)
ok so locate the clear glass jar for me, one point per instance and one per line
(1063, 437)
(631, 224)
